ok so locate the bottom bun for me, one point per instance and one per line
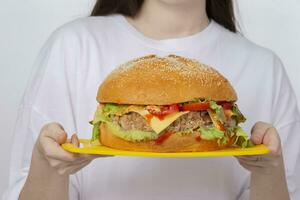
(174, 143)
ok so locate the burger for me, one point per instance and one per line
(167, 104)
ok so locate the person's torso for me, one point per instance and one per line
(107, 42)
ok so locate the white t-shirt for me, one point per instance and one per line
(82, 53)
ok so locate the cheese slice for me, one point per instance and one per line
(158, 125)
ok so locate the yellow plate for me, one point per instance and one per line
(103, 150)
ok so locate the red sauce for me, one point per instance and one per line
(160, 117)
(162, 138)
(198, 138)
(163, 111)
(148, 118)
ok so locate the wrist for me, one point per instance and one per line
(270, 182)
(43, 181)
(40, 165)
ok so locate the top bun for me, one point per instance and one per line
(153, 80)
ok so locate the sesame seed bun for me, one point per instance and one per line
(153, 80)
(175, 143)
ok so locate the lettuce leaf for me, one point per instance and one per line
(96, 132)
(211, 133)
(242, 139)
(112, 108)
(99, 117)
(185, 132)
(237, 114)
(213, 105)
(218, 110)
(102, 116)
(223, 141)
(131, 135)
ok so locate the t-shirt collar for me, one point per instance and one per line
(202, 38)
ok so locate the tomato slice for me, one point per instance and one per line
(195, 106)
(162, 111)
(169, 109)
(227, 106)
(162, 138)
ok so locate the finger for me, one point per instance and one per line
(252, 164)
(53, 150)
(248, 158)
(258, 131)
(254, 159)
(56, 132)
(77, 163)
(58, 164)
(272, 141)
(72, 169)
(64, 156)
(62, 162)
(94, 156)
(86, 157)
(75, 140)
(259, 164)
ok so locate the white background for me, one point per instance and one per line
(25, 25)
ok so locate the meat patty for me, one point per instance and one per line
(191, 120)
(132, 121)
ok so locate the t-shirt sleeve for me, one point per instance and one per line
(50, 97)
(285, 117)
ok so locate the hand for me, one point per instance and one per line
(263, 133)
(48, 148)
(267, 180)
(51, 165)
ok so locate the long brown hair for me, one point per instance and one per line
(220, 11)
